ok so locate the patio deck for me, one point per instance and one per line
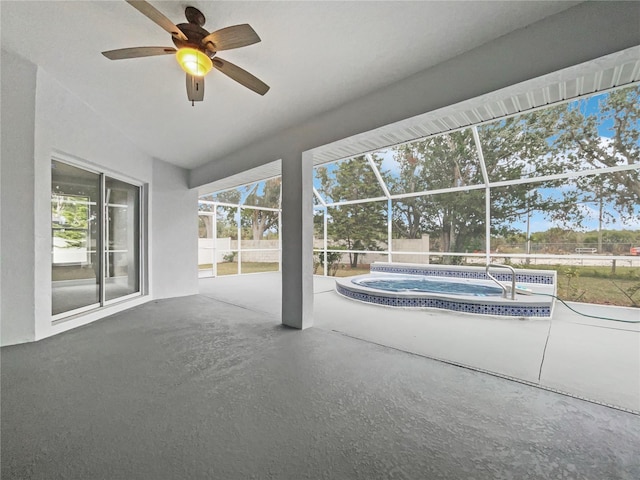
(598, 360)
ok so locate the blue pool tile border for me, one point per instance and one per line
(425, 302)
(542, 278)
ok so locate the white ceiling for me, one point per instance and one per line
(314, 55)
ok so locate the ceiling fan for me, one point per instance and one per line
(196, 49)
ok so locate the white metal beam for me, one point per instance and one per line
(319, 197)
(374, 167)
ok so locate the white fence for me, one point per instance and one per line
(413, 246)
(207, 247)
(262, 251)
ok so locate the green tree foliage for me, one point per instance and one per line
(456, 219)
(360, 226)
(333, 262)
(513, 148)
(70, 219)
(545, 142)
(522, 147)
(225, 216)
(254, 222)
(579, 137)
(626, 237)
(260, 221)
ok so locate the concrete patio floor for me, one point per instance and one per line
(197, 388)
(594, 359)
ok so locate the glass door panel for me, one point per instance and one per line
(75, 232)
(122, 239)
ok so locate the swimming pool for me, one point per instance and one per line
(465, 289)
(425, 284)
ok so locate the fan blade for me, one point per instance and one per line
(136, 52)
(154, 15)
(241, 76)
(231, 37)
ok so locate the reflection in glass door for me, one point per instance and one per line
(122, 234)
(95, 228)
(75, 238)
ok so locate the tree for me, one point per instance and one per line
(522, 147)
(580, 137)
(617, 242)
(408, 214)
(70, 218)
(225, 216)
(360, 226)
(557, 240)
(513, 148)
(561, 139)
(579, 127)
(456, 219)
(254, 222)
(262, 220)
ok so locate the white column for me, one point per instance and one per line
(280, 233)
(390, 230)
(487, 194)
(239, 222)
(297, 240)
(214, 265)
(18, 303)
(325, 214)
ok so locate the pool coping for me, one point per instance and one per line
(523, 307)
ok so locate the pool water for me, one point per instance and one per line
(406, 284)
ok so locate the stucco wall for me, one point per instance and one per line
(174, 233)
(18, 93)
(41, 119)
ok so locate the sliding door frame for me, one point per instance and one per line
(102, 233)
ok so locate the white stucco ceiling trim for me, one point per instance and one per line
(253, 175)
(612, 71)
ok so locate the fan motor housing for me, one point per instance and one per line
(195, 34)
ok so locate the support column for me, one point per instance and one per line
(17, 201)
(297, 240)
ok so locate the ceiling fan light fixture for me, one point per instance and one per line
(196, 47)
(194, 62)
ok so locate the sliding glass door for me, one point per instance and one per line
(122, 234)
(95, 228)
(75, 232)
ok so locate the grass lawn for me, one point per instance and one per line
(575, 283)
(604, 291)
(599, 285)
